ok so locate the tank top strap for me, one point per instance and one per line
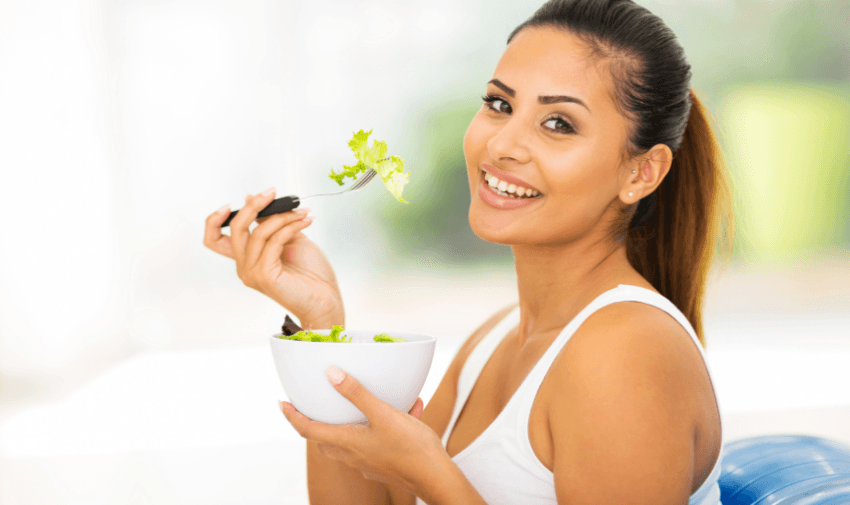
(622, 293)
(476, 361)
(527, 391)
(638, 294)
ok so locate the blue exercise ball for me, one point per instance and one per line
(785, 470)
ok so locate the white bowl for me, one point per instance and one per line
(392, 371)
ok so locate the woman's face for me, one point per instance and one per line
(549, 124)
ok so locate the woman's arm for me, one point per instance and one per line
(624, 417)
(450, 487)
(332, 482)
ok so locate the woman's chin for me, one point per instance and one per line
(490, 228)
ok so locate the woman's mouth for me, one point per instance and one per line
(503, 188)
(504, 196)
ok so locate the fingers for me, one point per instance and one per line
(239, 233)
(213, 238)
(271, 227)
(274, 245)
(315, 431)
(349, 387)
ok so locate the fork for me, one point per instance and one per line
(287, 203)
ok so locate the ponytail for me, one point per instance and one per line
(675, 231)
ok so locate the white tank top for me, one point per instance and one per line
(500, 463)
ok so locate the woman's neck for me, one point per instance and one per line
(556, 282)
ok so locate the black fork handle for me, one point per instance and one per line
(282, 204)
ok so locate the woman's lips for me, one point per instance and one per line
(491, 198)
(505, 176)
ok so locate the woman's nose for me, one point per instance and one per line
(510, 142)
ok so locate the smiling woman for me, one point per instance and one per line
(593, 159)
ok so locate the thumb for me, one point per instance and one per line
(418, 407)
(353, 391)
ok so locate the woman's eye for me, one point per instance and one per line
(497, 104)
(559, 125)
(501, 105)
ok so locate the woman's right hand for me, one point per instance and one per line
(279, 261)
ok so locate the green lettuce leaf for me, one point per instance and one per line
(309, 336)
(391, 170)
(383, 337)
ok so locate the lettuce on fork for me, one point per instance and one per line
(391, 170)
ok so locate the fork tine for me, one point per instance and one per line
(365, 179)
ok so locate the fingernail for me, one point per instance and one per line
(307, 218)
(268, 191)
(280, 404)
(301, 210)
(223, 209)
(334, 374)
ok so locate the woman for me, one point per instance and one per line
(593, 389)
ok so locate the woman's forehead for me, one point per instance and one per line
(553, 61)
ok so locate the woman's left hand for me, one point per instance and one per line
(391, 447)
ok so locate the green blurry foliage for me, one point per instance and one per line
(788, 148)
(434, 225)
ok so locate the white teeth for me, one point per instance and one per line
(505, 189)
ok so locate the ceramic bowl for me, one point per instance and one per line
(392, 371)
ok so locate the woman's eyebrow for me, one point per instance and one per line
(543, 100)
(504, 87)
(547, 100)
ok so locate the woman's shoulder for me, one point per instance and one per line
(631, 360)
(624, 400)
(631, 380)
(630, 334)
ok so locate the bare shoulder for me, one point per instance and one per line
(625, 412)
(438, 412)
(632, 330)
(642, 346)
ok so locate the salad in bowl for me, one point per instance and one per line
(392, 366)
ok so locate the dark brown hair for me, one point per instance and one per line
(672, 234)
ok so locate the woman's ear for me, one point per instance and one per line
(644, 173)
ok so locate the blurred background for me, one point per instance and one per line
(134, 365)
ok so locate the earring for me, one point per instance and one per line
(634, 171)
(631, 194)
